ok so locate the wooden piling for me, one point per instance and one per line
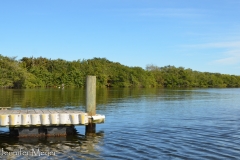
(91, 102)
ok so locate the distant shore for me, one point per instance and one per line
(42, 72)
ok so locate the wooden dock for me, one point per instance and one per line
(53, 122)
(46, 117)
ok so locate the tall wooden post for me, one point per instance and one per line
(91, 102)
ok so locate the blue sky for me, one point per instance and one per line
(199, 34)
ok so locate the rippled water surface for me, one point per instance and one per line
(140, 124)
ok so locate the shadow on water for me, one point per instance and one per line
(64, 147)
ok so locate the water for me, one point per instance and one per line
(140, 124)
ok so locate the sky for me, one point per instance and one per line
(203, 35)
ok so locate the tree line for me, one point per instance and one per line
(30, 72)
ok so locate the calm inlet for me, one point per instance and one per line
(140, 124)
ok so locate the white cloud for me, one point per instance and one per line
(163, 12)
(228, 52)
(170, 12)
(231, 57)
(233, 44)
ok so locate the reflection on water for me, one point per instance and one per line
(53, 97)
(140, 124)
(68, 147)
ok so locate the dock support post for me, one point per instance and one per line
(91, 102)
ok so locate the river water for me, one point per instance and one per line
(140, 124)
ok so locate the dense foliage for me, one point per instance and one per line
(41, 72)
